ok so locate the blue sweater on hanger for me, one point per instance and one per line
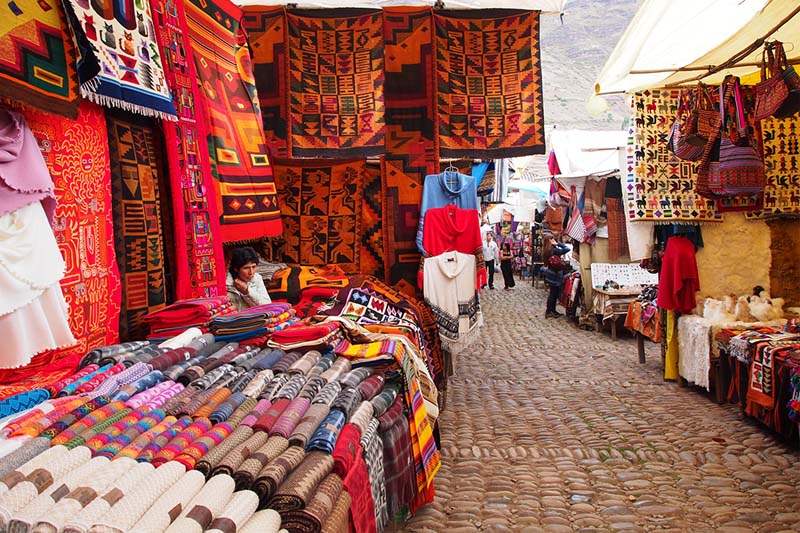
(446, 188)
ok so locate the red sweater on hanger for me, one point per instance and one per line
(678, 281)
(452, 229)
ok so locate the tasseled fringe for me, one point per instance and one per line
(465, 340)
(87, 91)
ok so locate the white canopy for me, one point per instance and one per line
(545, 6)
(694, 36)
(583, 152)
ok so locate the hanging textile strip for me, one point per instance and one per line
(321, 211)
(350, 466)
(76, 153)
(489, 89)
(335, 82)
(373, 456)
(266, 28)
(37, 59)
(119, 64)
(244, 188)
(199, 262)
(781, 150)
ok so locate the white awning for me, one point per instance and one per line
(671, 42)
(584, 152)
(545, 6)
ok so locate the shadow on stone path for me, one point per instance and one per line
(551, 428)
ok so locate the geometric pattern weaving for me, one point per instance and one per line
(138, 231)
(372, 223)
(321, 210)
(336, 78)
(781, 139)
(489, 83)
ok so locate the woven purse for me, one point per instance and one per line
(771, 91)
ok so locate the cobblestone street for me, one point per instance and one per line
(551, 428)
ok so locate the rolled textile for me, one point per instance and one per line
(144, 438)
(171, 357)
(101, 426)
(362, 416)
(272, 475)
(38, 481)
(242, 380)
(304, 364)
(296, 490)
(285, 362)
(231, 462)
(106, 436)
(177, 402)
(268, 419)
(165, 395)
(291, 416)
(91, 419)
(316, 511)
(55, 388)
(210, 460)
(32, 415)
(145, 354)
(157, 395)
(100, 377)
(227, 408)
(10, 445)
(105, 351)
(25, 518)
(151, 379)
(340, 367)
(210, 363)
(201, 446)
(113, 383)
(181, 441)
(69, 389)
(12, 478)
(355, 377)
(205, 344)
(21, 401)
(348, 463)
(246, 473)
(324, 438)
(23, 454)
(100, 506)
(175, 371)
(258, 383)
(182, 339)
(236, 513)
(264, 521)
(162, 439)
(268, 357)
(347, 401)
(243, 411)
(311, 388)
(371, 386)
(382, 402)
(161, 514)
(337, 521)
(311, 420)
(227, 378)
(126, 437)
(81, 496)
(292, 387)
(197, 401)
(328, 393)
(72, 417)
(272, 388)
(210, 378)
(34, 426)
(206, 504)
(216, 399)
(373, 457)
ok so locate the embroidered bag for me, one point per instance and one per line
(679, 136)
(708, 120)
(575, 227)
(741, 169)
(791, 105)
(770, 91)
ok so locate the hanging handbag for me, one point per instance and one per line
(770, 91)
(678, 142)
(708, 120)
(791, 105)
(707, 177)
(741, 169)
(575, 227)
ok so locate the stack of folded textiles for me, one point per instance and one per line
(175, 318)
(253, 322)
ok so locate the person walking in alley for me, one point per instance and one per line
(490, 256)
(506, 258)
(554, 268)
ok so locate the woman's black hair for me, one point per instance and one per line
(506, 246)
(240, 257)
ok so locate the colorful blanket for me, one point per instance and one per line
(335, 82)
(781, 138)
(489, 83)
(245, 190)
(37, 56)
(266, 28)
(119, 64)
(321, 210)
(199, 264)
(138, 232)
(76, 153)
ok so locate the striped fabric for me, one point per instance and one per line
(291, 416)
(160, 515)
(272, 475)
(99, 427)
(373, 456)
(210, 461)
(72, 417)
(328, 393)
(115, 430)
(204, 506)
(258, 383)
(35, 426)
(138, 444)
(181, 441)
(246, 474)
(91, 419)
(231, 462)
(241, 412)
(201, 446)
(305, 363)
(311, 420)
(362, 417)
(340, 367)
(227, 408)
(213, 402)
(127, 436)
(160, 440)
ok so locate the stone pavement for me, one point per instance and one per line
(551, 428)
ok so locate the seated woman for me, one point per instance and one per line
(245, 287)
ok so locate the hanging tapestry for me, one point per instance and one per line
(321, 210)
(336, 82)
(37, 57)
(76, 153)
(489, 83)
(781, 138)
(199, 262)
(372, 223)
(245, 190)
(137, 224)
(266, 27)
(659, 186)
(119, 64)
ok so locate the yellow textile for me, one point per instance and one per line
(671, 358)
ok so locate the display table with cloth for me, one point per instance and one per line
(611, 304)
(645, 322)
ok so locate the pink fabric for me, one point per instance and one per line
(24, 177)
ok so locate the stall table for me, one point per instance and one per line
(612, 304)
(650, 329)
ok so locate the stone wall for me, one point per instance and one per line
(785, 271)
